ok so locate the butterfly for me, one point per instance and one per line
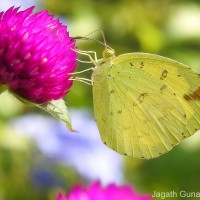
(144, 104)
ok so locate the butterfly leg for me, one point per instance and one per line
(80, 72)
(87, 53)
(92, 60)
(83, 80)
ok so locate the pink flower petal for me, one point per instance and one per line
(36, 55)
(111, 192)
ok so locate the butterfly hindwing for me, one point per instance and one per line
(143, 104)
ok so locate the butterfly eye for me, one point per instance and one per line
(108, 53)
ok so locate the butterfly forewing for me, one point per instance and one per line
(145, 104)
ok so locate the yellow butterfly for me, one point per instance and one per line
(144, 104)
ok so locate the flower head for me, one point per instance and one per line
(96, 192)
(36, 55)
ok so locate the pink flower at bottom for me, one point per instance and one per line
(36, 55)
(61, 197)
(96, 192)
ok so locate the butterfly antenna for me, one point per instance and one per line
(94, 40)
(103, 36)
(90, 39)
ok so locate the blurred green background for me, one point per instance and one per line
(170, 28)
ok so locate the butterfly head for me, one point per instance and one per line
(108, 54)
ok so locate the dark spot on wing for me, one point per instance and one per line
(103, 119)
(183, 134)
(164, 75)
(141, 65)
(163, 88)
(193, 96)
(119, 111)
(112, 91)
(141, 97)
(131, 64)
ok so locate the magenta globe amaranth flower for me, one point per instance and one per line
(96, 192)
(36, 55)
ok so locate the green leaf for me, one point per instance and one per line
(59, 110)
